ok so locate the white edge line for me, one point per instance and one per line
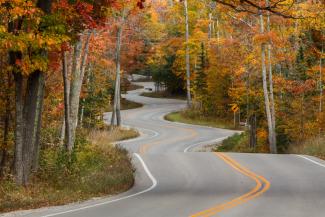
(152, 178)
(315, 162)
(204, 142)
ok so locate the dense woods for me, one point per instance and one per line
(63, 64)
(60, 68)
(264, 56)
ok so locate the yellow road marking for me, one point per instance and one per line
(262, 185)
(144, 148)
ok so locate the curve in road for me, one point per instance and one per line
(174, 180)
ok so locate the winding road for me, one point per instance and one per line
(174, 179)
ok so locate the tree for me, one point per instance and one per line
(271, 135)
(188, 69)
(200, 82)
(29, 103)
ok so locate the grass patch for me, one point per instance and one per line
(126, 105)
(103, 137)
(134, 87)
(95, 169)
(314, 147)
(188, 118)
(235, 143)
(163, 94)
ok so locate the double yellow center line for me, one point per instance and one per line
(262, 185)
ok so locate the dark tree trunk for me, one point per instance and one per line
(66, 85)
(32, 117)
(4, 154)
(252, 131)
(19, 128)
(29, 104)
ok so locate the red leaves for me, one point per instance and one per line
(140, 4)
(18, 62)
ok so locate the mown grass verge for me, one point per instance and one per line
(187, 118)
(126, 104)
(239, 143)
(162, 94)
(134, 87)
(95, 169)
(235, 143)
(314, 147)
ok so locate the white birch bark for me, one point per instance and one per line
(116, 114)
(266, 92)
(321, 88)
(272, 102)
(188, 72)
(77, 74)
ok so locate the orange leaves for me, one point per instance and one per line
(267, 37)
(19, 8)
(300, 87)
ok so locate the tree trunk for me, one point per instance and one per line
(62, 133)
(321, 88)
(19, 170)
(188, 72)
(4, 153)
(29, 106)
(252, 131)
(66, 137)
(78, 72)
(272, 102)
(32, 117)
(116, 114)
(273, 148)
(210, 26)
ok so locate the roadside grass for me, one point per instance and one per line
(235, 143)
(126, 104)
(134, 87)
(104, 137)
(239, 143)
(95, 169)
(162, 94)
(314, 147)
(189, 117)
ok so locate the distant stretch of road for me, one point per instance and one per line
(173, 179)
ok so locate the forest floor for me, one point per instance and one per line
(95, 169)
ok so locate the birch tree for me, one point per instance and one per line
(187, 58)
(271, 130)
(116, 114)
(72, 89)
(272, 102)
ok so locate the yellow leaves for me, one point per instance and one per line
(2, 29)
(17, 12)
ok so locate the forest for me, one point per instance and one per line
(64, 63)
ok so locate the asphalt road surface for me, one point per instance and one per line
(173, 179)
